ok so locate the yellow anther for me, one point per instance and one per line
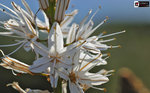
(115, 38)
(105, 90)
(99, 7)
(119, 46)
(107, 17)
(108, 54)
(104, 32)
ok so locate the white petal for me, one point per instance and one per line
(55, 39)
(40, 65)
(14, 64)
(63, 73)
(46, 19)
(74, 88)
(94, 79)
(40, 48)
(68, 19)
(101, 62)
(91, 48)
(54, 79)
(89, 64)
(29, 25)
(72, 34)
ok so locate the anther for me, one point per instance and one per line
(108, 54)
(107, 17)
(99, 7)
(104, 32)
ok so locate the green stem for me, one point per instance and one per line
(59, 86)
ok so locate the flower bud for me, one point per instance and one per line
(61, 7)
(44, 4)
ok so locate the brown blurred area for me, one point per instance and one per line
(130, 83)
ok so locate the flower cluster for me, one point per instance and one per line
(68, 53)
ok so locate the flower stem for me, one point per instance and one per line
(59, 86)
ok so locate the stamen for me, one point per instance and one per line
(113, 34)
(9, 9)
(15, 44)
(13, 72)
(107, 54)
(27, 7)
(119, 46)
(85, 18)
(106, 57)
(96, 27)
(104, 89)
(82, 62)
(90, 62)
(3, 10)
(104, 32)
(16, 86)
(16, 49)
(2, 53)
(95, 13)
(104, 41)
(9, 34)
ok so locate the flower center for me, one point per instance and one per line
(72, 77)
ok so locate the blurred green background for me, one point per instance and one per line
(134, 54)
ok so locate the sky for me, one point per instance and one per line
(116, 10)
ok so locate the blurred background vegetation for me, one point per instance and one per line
(134, 54)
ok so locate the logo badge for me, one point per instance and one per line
(141, 4)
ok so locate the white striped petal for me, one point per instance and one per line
(40, 65)
(55, 39)
(72, 34)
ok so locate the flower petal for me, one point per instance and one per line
(55, 39)
(40, 65)
(74, 88)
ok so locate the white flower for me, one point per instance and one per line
(52, 56)
(14, 65)
(68, 52)
(79, 75)
(22, 26)
(93, 45)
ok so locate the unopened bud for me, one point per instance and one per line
(61, 7)
(44, 4)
